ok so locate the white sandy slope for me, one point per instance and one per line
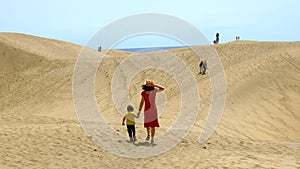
(39, 128)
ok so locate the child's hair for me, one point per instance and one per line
(130, 108)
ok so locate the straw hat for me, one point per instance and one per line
(149, 83)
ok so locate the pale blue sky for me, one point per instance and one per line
(77, 20)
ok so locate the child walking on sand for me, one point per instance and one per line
(130, 123)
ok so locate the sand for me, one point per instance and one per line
(39, 127)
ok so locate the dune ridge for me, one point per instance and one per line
(259, 127)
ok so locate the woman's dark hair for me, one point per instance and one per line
(148, 88)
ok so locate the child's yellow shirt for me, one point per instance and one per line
(130, 118)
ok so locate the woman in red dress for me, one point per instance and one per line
(150, 110)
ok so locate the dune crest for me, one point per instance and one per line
(39, 128)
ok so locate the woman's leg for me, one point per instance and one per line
(152, 134)
(148, 133)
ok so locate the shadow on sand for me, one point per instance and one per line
(146, 144)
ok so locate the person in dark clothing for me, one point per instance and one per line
(201, 67)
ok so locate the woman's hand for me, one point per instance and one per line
(160, 87)
(138, 114)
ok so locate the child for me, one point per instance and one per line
(130, 123)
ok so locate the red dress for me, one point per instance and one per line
(150, 111)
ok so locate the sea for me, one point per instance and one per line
(150, 49)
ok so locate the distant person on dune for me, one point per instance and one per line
(201, 67)
(130, 123)
(217, 39)
(150, 110)
(100, 48)
(204, 67)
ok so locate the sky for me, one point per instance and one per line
(77, 21)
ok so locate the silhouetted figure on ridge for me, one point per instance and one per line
(100, 48)
(217, 39)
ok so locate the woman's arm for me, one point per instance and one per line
(141, 106)
(160, 88)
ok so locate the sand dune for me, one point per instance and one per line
(259, 127)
